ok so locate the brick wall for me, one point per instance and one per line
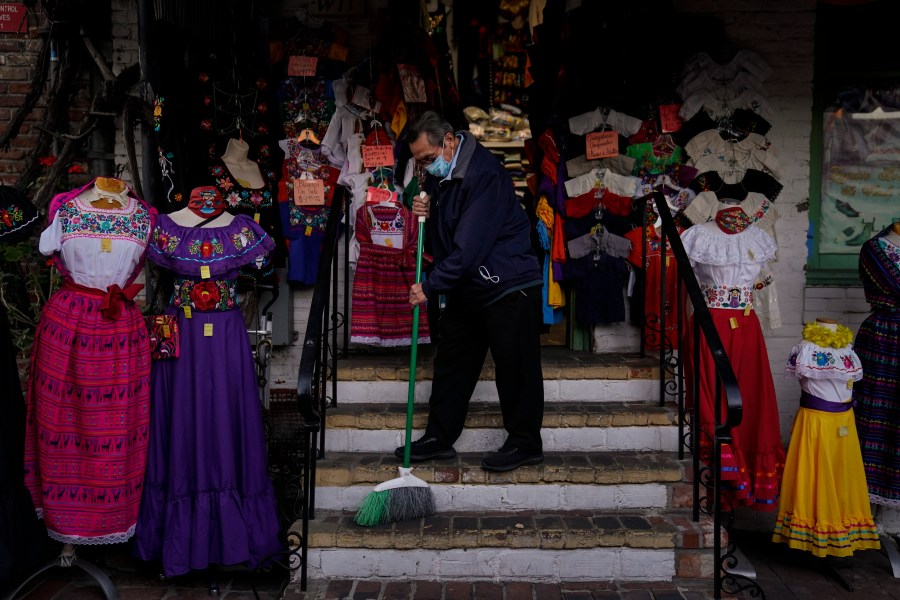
(18, 57)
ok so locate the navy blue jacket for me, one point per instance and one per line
(478, 232)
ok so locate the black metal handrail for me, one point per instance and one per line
(726, 386)
(314, 369)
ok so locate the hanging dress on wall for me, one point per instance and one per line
(824, 507)
(382, 315)
(207, 498)
(88, 420)
(877, 396)
(21, 533)
(727, 256)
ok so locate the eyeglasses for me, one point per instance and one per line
(424, 162)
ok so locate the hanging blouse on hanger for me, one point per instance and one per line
(744, 60)
(753, 181)
(709, 151)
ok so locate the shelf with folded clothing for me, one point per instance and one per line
(512, 155)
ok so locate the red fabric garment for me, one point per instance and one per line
(615, 204)
(753, 463)
(558, 244)
(647, 133)
(113, 299)
(653, 285)
(581, 206)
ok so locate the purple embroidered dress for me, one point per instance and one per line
(207, 497)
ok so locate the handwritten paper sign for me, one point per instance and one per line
(381, 155)
(12, 17)
(602, 144)
(376, 195)
(309, 192)
(302, 66)
(668, 116)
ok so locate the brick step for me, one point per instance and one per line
(596, 480)
(567, 427)
(528, 546)
(568, 376)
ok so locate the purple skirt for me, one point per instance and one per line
(207, 496)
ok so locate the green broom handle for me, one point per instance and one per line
(415, 345)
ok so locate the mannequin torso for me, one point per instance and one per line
(107, 193)
(244, 170)
(893, 234)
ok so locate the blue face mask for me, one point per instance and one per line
(439, 167)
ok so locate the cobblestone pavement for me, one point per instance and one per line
(782, 573)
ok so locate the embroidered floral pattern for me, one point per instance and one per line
(166, 242)
(236, 195)
(301, 218)
(892, 251)
(823, 359)
(206, 249)
(11, 218)
(243, 238)
(81, 220)
(205, 295)
(725, 296)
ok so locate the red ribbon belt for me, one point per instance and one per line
(113, 298)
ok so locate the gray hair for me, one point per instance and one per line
(433, 125)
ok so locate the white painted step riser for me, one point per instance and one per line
(496, 564)
(569, 439)
(514, 497)
(555, 390)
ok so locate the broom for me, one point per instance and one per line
(407, 496)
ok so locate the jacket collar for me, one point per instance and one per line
(466, 150)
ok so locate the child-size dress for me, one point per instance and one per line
(386, 269)
(22, 534)
(824, 506)
(207, 499)
(726, 265)
(88, 407)
(878, 345)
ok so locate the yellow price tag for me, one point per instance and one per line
(849, 384)
(667, 261)
(256, 218)
(207, 329)
(750, 254)
(747, 311)
(843, 431)
(204, 272)
(187, 311)
(309, 230)
(166, 331)
(105, 245)
(733, 322)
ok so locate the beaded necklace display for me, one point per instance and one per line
(822, 336)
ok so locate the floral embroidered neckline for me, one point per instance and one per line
(733, 219)
(822, 336)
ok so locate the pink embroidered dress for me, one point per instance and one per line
(382, 315)
(88, 406)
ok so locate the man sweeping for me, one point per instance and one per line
(488, 272)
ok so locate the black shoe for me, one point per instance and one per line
(845, 208)
(507, 459)
(427, 448)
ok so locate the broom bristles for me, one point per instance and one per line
(397, 504)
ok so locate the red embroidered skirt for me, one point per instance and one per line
(753, 463)
(88, 416)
